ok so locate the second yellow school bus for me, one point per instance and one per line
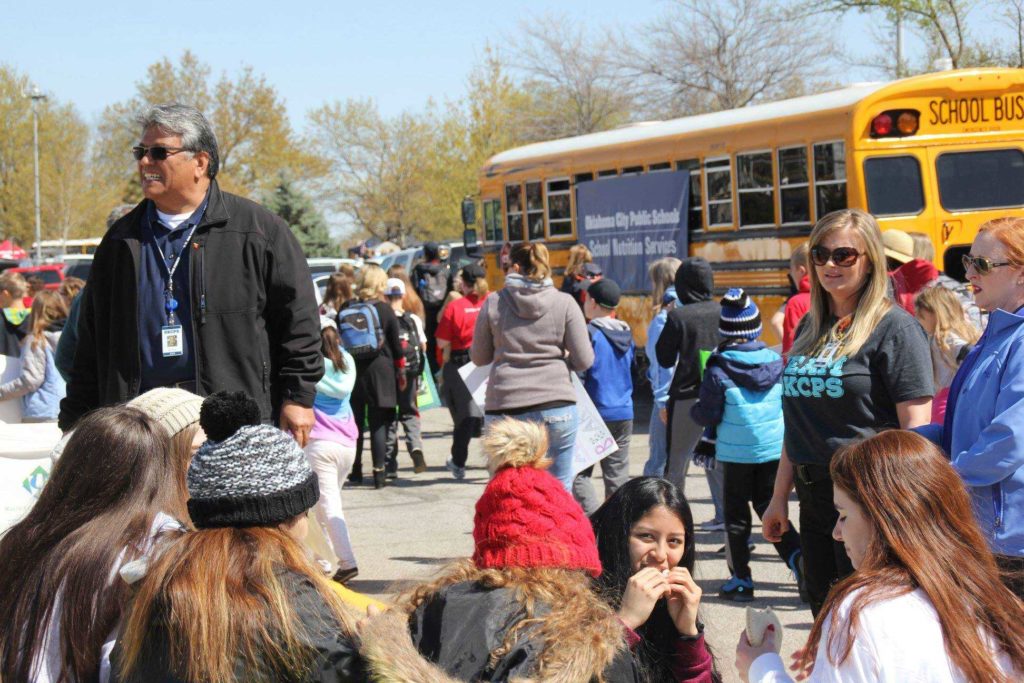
(939, 154)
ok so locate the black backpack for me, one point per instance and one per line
(432, 287)
(411, 343)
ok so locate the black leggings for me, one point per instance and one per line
(825, 560)
(379, 420)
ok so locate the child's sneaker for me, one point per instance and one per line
(737, 590)
(457, 472)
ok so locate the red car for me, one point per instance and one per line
(52, 273)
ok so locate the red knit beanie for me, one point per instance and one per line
(525, 518)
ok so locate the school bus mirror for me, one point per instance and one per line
(469, 241)
(468, 211)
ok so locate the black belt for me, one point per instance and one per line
(459, 357)
(809, 473)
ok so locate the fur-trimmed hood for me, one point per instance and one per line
(450, 637)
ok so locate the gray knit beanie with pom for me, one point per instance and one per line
(246, 474)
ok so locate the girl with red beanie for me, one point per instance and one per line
(523, 606)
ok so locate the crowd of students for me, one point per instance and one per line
(167, 543)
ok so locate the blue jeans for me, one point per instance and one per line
(561, 424)
(657, 436)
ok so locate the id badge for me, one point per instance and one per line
(171, 340)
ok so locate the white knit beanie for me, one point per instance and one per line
(173, 409)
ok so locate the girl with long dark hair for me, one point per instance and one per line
(925, 601)
(111, 493)
(646, 544)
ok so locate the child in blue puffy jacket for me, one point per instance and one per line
(741, 397)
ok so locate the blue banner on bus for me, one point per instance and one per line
(629, 222)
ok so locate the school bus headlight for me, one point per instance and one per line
(907, 122)
(895, 123)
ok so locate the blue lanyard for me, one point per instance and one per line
(170, 303)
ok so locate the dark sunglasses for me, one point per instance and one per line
(983, 265)
(844, 257)
(156, 152)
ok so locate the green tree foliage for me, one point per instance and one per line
(301, 214)
(253, 132)
(72, 203)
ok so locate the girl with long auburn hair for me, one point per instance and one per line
(411, 301)
(337, 294)
(860, 364)
(646, 544)
(534, 336)
(925, 601)
(109, 495)
(237, 599)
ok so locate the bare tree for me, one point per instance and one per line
(704, 56)
(573, 84)
(1012, 16)
(941, 23)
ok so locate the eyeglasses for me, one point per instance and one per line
(844, 257)
(983, 265)
(156, 152)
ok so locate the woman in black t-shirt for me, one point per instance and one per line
(859, 365)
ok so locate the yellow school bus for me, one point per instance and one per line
(939, 153)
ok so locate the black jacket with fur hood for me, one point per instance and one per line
(450, 638)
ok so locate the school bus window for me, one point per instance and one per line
(829, 177)
(756, 189)
(718, 176)
(608, 173)
(492, 220)
(535, 210)
(794, 192)
(894, 185)
(633, 170)
(514, 212)
(582, 178)
(695, 215)
(989, 179)
(663, 166)
(559, 208)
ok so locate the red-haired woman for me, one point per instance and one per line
(925, 602)
(983, 430)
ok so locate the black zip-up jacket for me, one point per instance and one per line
(254, 315)
(690, 328)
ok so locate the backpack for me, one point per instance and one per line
(362, 334)
(432, 287)
(411, 341)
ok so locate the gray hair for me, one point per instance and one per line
(188, 122)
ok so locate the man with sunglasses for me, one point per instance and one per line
(196, 288)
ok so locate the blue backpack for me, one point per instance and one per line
(362, 334)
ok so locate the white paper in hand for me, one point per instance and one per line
(593, 440)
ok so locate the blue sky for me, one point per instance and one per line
(399, 53)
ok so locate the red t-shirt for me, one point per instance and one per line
(458, 321)
(796, 309)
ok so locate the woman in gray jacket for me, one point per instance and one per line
(535, 336)
(39, 385)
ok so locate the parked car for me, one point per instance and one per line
(78, 265)
(329, 265)
(51, 273)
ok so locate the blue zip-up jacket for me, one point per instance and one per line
(741, 393)
(609, 381)
(984, 430)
